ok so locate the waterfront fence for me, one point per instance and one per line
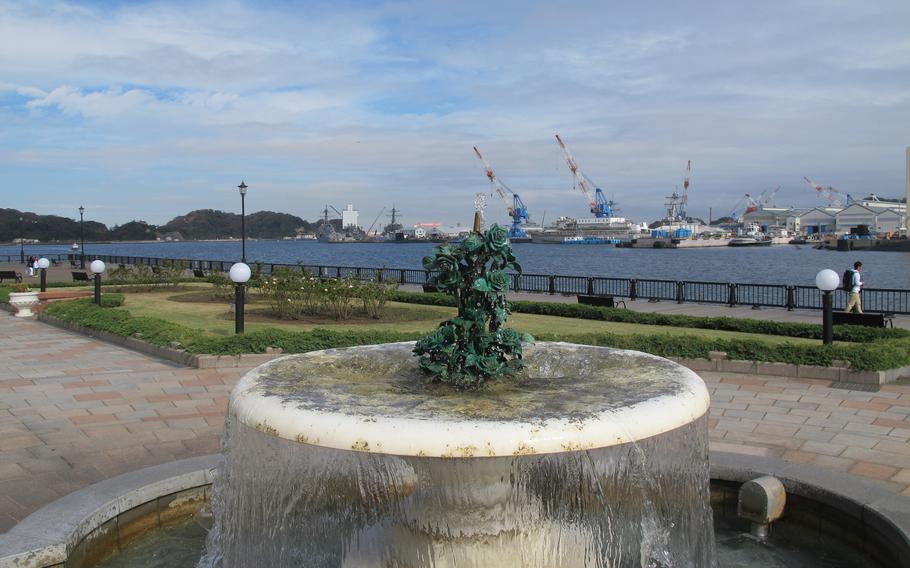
(883, 300)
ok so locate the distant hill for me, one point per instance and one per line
(212, 224)
(200, 224)
(16, 224)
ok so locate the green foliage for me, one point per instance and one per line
(851, 333)
(293, 294)
(222, 287)
(120, 322)
(167, 274)
(877, 356)
(473, 346)
(294, 341)
(880, 355)
(4, 294)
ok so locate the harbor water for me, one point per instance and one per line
(782, 264)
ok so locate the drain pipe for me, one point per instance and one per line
(761, 502)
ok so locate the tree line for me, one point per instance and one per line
(195, 225)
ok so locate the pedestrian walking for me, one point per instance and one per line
(31, 266)
(853, 284)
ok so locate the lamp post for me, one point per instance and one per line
(81, 238)
(827, 281)
(240, 274)
(97, 268)
(242, 187)
(43, 263)
(21, 240)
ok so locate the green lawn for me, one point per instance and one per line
(216, 318)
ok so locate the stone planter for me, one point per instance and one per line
(23, 302)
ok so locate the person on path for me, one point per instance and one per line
(31, 266)
(854, 302)
(34, 266)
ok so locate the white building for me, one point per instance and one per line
(857, 218)
(349, 217)
(818, 221)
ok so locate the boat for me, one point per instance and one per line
(750, 241)
(590, 240)
(75, 246)
(751, 237)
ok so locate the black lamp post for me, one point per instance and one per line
(97, 268)
(827, 281)
(240, 274)
(242, 187)
(21, 240)
(81, 238)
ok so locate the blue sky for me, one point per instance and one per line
(150, 109)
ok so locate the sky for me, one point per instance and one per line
(147, 110)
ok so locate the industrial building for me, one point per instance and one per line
(869, 215)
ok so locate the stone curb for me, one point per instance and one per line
(718, 361)
(47, 536)
(167, 353)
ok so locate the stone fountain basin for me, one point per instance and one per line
(569, 397)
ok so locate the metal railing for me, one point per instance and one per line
(885, 300)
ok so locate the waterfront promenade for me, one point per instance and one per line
(74, 411)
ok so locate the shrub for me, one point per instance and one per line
(852, 333)
(222, 287)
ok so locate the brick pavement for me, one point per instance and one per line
(74, 411)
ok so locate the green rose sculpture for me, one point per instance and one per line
(473, 347)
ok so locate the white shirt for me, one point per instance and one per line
(857, 282)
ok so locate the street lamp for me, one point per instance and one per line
(827, 281)
(240, 274)
(97, 267)
(21, 240)
(81, 238)
(43, 263)
(242, 187)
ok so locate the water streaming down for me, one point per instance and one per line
(351, 457)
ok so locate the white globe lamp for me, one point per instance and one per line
(240, 273)
(827, 280)
(43, 263)
(97, 267)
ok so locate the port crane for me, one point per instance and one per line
(748, 204)
(834, 197)
(599, 205)
(517, 210)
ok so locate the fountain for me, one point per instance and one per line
(482, 452)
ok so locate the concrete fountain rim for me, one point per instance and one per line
(45, 538)
(679, 400)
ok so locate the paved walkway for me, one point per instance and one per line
(74, 410)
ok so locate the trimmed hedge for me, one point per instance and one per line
(851, 333)
(167, 334)
(880, 355)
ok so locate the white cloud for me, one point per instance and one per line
(384, 101)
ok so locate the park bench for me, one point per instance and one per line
(867, 319)
(601, 301)
(10, 275)
(80, 277)
(198, 273)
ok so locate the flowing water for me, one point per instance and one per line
(282, 503)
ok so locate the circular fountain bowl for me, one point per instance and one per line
(589, 457)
